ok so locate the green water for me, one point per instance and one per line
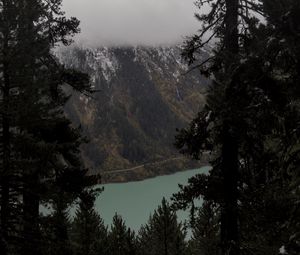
(135, 201)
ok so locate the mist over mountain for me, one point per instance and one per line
(133, 22)
(143, 97)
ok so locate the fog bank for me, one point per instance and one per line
(133, 22)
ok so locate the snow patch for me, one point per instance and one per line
(103, 59)
(282, 250)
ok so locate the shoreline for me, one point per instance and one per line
(144, 172)
(156, 176)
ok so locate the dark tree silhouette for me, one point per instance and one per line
(39, 147)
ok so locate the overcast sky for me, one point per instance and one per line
(148, 22)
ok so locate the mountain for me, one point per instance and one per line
(143, 96)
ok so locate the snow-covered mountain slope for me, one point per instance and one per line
(143, 97)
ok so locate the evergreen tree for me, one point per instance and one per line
(88, 234)
(217, 127)
(57, 239)
(283, 53)
(205, 231)
(121, 239)
(163, 234)
(264, 109)
(38, 144)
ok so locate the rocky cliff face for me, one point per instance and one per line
(143, 97)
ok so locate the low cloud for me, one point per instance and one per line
(133, 22)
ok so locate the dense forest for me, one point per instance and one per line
(250, 125)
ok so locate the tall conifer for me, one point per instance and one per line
(88, 233)
(122, 240)
(163, 234)
(40, 148)
(255, 100)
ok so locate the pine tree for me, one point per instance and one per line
(217, 127)
(162, 234)
(88, 234)
(58, 239)
(266, 114)
(8, 24)
(283, 48)
(121, 239)
(38, 144)
(205, 231)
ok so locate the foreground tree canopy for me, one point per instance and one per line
(250, 124)
(39, 148)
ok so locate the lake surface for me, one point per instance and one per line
(135, 201)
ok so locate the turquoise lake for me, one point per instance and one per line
(135, 201)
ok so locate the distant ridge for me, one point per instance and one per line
(144, 96)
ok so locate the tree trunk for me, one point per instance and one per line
(31, 231)
(229, 213)
(5, 171)
(31, 178)
(231, 30)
